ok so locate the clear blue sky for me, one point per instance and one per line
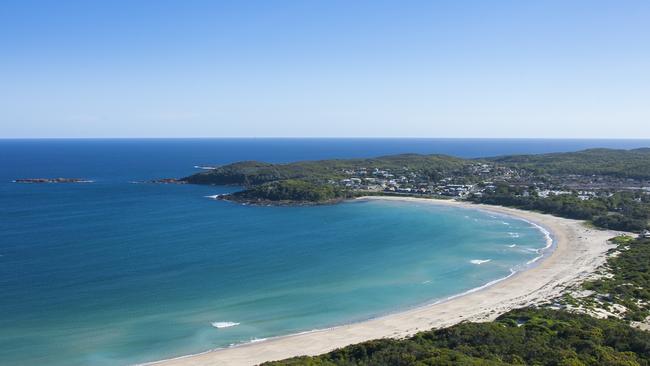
(325, 68)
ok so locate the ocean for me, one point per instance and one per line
(116, 272)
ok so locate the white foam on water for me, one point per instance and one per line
(534, 260)
(512, 245)
(214, 197)
(544, 231)
(475, 289)
(479, 261)
(540, 251)
(513, 271)
(547, 235)
(220, 325)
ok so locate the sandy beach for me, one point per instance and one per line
(579, 249)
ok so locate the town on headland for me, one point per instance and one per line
(610, 188)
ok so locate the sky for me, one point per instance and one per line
(189, 68)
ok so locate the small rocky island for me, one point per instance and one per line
(53, 180)
(167, 181)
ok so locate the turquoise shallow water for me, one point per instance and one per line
(114, 273)
(141, 282)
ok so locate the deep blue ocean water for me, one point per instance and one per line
(113, 272)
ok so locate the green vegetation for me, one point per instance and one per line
(609, 162)
(605, 174)
(619, 163)
(251, 173)
(530, 336)
(520, 337)
(291, 190)
(624, 211)
(628, 283)
(311, 181)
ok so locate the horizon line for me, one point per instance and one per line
(322, 138)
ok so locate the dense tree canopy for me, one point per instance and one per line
(620, 163)
(624, 211)
(520, 337)
(292, 190)
(253, 172)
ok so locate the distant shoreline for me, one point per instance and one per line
(51, 180)
(576, 253)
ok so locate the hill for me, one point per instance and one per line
(250, 173)
(633, 164)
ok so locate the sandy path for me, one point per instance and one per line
(578, 251)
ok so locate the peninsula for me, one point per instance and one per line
(610, 188)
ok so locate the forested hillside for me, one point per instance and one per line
(249, 173)
(621, 163)
(519, 337)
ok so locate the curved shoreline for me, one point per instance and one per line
(578, 250)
